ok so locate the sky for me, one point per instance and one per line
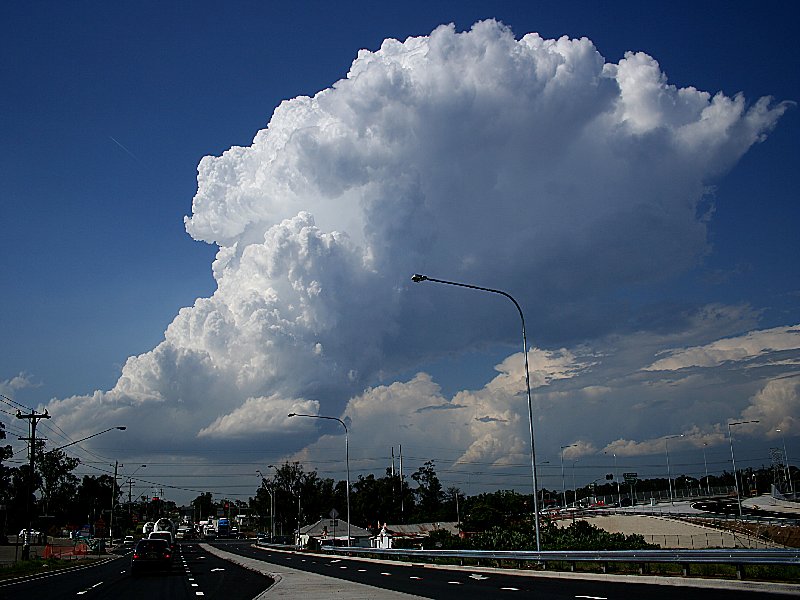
(212, 215)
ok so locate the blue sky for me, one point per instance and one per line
(108, 109)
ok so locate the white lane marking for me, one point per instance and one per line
(199, 594)
(510, 589)
(454, 582)
(336, 560)
(593, 597)
(387, 574)
(89, 589)
(362, 570)
(415, 577)
(478, 577)
(217, 569)
(342, 567)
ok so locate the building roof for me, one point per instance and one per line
(422, 529)
(318, 529)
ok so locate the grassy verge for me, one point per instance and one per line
(34, 567)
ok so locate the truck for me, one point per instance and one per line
(223, 527)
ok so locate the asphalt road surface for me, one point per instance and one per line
(445, 584)
(194, 574)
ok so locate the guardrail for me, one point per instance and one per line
(738, 558)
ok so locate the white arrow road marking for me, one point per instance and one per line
(478, 577)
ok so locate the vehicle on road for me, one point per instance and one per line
(151, 555)
(163, 535)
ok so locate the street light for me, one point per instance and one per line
(121, 428)
(271, 491)
(786, 466)
(574, 487)
(669, 475)
(619, 493)
(347, 461)
(563, 485)
(705, 464)
(733, 460)
(417, 278)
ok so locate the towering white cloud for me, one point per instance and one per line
(527, 164)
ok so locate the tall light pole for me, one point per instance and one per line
(786, 466)
(669, 475)
(563, 484)
(274, 504)
(705, 464)
(347, 460)
(733, 460)
(619, 493)
(271, 503)
(574, 487)
(417, 278)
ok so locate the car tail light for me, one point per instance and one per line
(135, 555)
(167, 555)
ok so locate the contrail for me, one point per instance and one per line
(128, 152)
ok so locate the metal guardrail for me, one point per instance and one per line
(685, 558)
(732, 556)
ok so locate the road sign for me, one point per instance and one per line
(630, 477)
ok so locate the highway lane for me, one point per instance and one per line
(446, 584)
(194, 574)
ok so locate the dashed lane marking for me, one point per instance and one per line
(510, 589)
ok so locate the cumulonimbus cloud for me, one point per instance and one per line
(531, 164)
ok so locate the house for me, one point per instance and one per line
(333, 532)
(414, 533)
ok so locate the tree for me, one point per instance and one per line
(203, 506)
(429, 493)
(59, 485)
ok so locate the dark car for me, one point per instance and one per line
(151, 555)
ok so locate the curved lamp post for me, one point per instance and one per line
(563, 485)
(271, 490)
(121, 428)
(347, 460)
(733, 460)
(669, 475)
(417, 278)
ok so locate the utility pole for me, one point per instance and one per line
(33, 419)
(113, 498)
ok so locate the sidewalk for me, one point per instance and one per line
(293, 583)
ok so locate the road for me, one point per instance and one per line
(194, 574)
(447, 584)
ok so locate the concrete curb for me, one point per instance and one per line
(294, 583)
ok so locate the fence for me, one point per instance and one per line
(685, 558)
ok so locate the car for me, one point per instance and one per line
(152, 554)
(163, 535)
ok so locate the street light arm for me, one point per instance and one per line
(319, 417)
(121, 428)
